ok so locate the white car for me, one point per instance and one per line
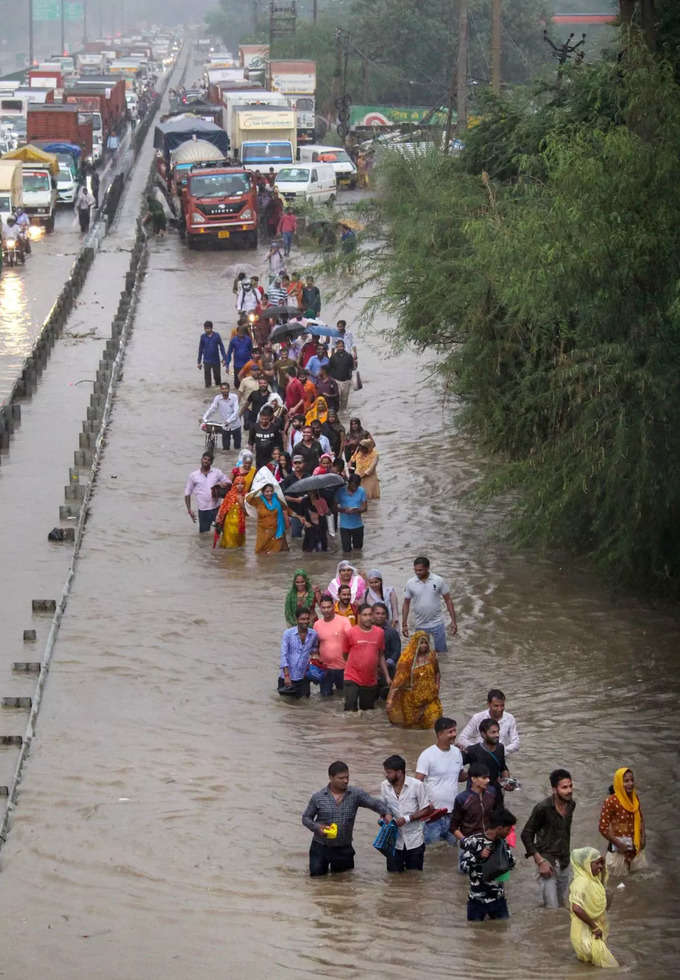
(66, 185)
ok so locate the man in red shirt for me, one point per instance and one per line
(366, 653)
(295, 394)
(286, 229)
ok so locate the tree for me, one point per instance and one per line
(552, 297)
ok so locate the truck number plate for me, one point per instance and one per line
(223, 234)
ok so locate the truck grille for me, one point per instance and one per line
(218, 210)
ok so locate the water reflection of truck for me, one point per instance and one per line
(219, 203)
(297, 81)
(264, 137)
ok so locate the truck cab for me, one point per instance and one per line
(343, 165)
(40, 194)
(219, 203)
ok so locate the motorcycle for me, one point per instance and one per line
(25, 236)
(13, 252)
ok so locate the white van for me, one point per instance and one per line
(314, 183)
(341, 161)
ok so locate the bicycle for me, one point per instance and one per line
(211, 429)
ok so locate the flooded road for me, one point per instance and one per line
(158, 827)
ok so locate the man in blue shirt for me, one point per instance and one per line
(241, 349)
(351, 501)
(298, 644)
(209, 349)
(317, 361)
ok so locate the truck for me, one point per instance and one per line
(242, 98)
(11, 187)
(253, 55)
(46, 76)
(264, 137)
(91, 63)
(39, 176)
(110, 94)
(60, 122)
(91, 107)
(219, 203)
(297, 81)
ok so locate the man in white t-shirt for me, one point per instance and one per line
(439, 768)
(425, 592)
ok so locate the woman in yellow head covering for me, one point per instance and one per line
(588, 908)
(623, 825)
(319, 410)
(413, 699)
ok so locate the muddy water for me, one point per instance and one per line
(158, 831)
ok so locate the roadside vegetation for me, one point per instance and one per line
(542, 265)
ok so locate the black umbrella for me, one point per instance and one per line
(273, 311)
(286, 330)
(324, 481)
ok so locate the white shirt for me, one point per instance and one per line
(227, 409)
(426, 600)
(201, 484)
(348, 338)
(413, 797)
(509, 736)
(441, 771)
(247, 300)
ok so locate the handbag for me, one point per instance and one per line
(356, 381)
(497, 863)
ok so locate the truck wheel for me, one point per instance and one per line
(331, 201)
(191, 241)
(251, 241)
(49, 224)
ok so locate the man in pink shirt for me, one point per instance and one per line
(333, 631)
(366, 653)
(286, 229)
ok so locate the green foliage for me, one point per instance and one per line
(554, 297)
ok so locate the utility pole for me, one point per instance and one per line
(61, 18)
(496, 28)
(461, 72)
(30, 33)
(314, 11)
(84, 21)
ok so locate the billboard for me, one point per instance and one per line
(393, 115)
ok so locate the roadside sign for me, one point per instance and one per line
(46, 9)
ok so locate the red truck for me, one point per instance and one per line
(219, 203)
(109, 90)
(63, 123)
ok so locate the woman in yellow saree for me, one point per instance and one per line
(231, 517)
(319, 410)
(413, 698)
(588, 907)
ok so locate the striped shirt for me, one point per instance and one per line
(323, 809)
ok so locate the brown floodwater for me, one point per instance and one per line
(158, 827)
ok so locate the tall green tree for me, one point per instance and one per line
(551, 293)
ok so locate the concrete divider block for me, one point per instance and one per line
(44, 605)
(26, 666)
(17, 702)
(74, 491)
(16, 412)
(12, 740)
(93, 414)
(73, 474)
(30, 636)
(68, 511)
(83, 458)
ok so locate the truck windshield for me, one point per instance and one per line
(293, 174)
(266, 153)
(37, 182)
(220, 185)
